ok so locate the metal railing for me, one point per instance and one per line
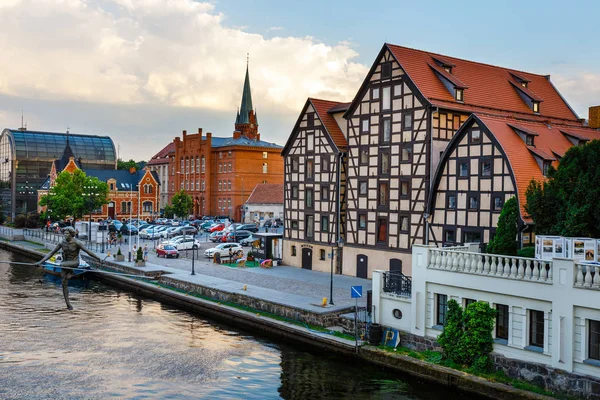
(397, 283)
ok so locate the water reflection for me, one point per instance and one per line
(116, 344)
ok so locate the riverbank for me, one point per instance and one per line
(212, 297)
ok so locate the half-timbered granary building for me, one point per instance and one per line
(402, 121)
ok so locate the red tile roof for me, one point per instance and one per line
(322, 108)
(267, 193)
(549, 140)
(490, 88)
(159, 158)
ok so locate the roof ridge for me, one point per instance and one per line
(469, 61)
(517, 121)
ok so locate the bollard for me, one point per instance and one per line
(324, 301)
(245, 287)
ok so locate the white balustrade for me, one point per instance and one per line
(506, 267)
(587, 276)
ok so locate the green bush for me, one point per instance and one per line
(505, 240)
(528, 252)
(33, 221)
(451, 337)
(20, 221)
(140, 254)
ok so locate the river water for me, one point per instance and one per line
(117, 345)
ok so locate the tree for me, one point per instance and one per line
(75, 194)
(450, 338)
(505, 240)
(182, 203)
(127, 165)
(567, 203)
(477, 343)
(168, 211)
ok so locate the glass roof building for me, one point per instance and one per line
(27, 156)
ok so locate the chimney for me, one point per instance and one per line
(200, 131)
(594, 117)
(132, 170)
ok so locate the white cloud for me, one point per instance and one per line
(171, 52)
(581, 89)
(275, 28)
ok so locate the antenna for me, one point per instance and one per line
(23, 124)
(247, 59)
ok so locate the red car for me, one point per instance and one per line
(167, 251)
(217, 227)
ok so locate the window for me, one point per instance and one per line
(486, 168)
(229, 153)
(220, 155)
(407, 125)
(475, 136)
(386, 130)
(363, 188)
(187, 165)
(308, 198)
(182, 165)
(498, 203)
(265, 168)
(294, 192)
(229, 167)
(403, 223)
(219, 186)
(325, 164)
(192, 166)
(203, 164)
(198, 165)
(458, 94)
(383, 194)
(406, 153)
(324, 224)
(364, 156)
(310, 226)
(546, 168)
(197, 185)
(364, 125)
(536, 107)
(362, 221)
(220, 167)
(324, 192)
(386, 70)
(375, 93)
(463, 168)
(451, 201)
(384, 163)
(203, 185)
(472, 237)
(294, 224)
(309, 169)
(536, 328)
(441, 309)
(265, 154)
(529, 140)
(293, 251)
(594, 339)
(386, 102)
(310, 119)
(295, 164)
(502, 321)
(382, 230)
(228, 185)
(112, 186)
(147, 206)
(228, 203)
(404, 188)
(469, 301)
(450, 236)
(473, 202)
(321, 254)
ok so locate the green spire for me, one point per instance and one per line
(246, 107)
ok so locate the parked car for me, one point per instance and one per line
(126, 229)
(216, 227)
(223, 249)
(115, 226)
(188, 243)
(249, 240)
(155, 233)
(269, 223)
(248, 227)
(144, 226)
(236, 236)
(167, 232)
(161, 221)
(184, 230)
(167, 251)
(205, 225)
(217, 236)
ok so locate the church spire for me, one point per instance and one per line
(246, 122)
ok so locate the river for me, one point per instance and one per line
(117, 345)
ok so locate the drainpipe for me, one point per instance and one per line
(338, 212)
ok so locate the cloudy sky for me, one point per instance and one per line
(141, 71)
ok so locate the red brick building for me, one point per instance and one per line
(221, 172)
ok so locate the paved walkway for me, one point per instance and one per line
(278, 283)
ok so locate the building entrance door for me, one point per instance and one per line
(362, 266)
(395, 265)
(111, 210)
(307, 258)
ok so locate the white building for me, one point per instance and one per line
(265, 202)
(547, 311)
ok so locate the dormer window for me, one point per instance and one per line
(536, 107)
(458, 94)
(447, 68)
(546, 167)
(529, 140)
(524, 84)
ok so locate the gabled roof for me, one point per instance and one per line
(126, 181)
(490, 88)
(241, 141)
(323, 107)
(266, 193)
(162, 156)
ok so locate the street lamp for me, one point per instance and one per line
(340, 244)
(89, 195)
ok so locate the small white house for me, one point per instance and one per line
(265, 202)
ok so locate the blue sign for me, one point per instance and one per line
(356, 292)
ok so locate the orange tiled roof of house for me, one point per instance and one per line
(322, 108)
(266, 193)
(550, 143)
(159, 158)
(489, 89)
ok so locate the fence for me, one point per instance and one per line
(397, 283)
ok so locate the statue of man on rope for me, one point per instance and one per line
(70, 249)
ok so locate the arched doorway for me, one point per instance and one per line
(362, 266)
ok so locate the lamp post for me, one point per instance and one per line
(193, 256)
(340, 244)
(89, 195)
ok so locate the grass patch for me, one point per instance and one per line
(32, 242)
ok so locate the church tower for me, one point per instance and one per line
(246, 122)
